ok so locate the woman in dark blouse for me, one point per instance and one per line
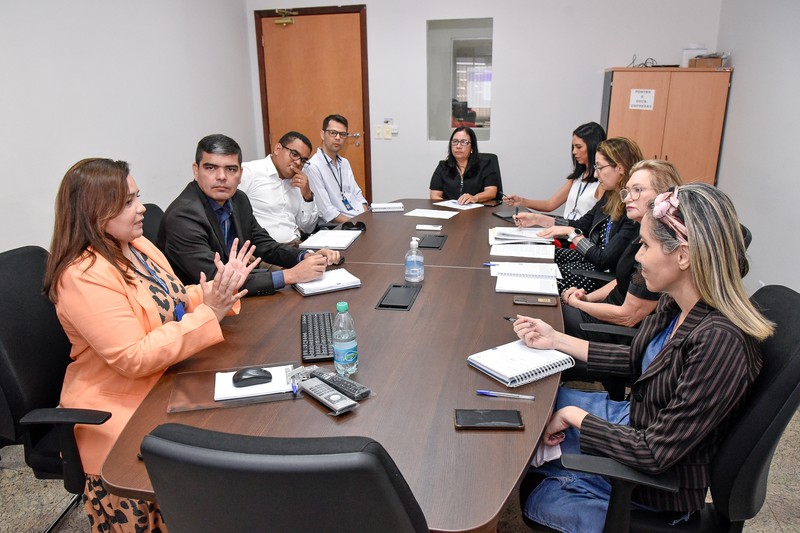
(466, 175)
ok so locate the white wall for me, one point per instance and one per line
(548, 63)
(141, 81)
(761, 133)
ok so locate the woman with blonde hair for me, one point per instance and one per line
(625, 300)
(692, 364)
(601, 235)
(127, 316)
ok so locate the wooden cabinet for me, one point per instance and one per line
(675, 114)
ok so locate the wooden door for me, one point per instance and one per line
(694, 121)
(645, 126)
(314, 67)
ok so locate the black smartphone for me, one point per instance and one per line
(488, 419)
(536, 300)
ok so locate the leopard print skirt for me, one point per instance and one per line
(113, 514)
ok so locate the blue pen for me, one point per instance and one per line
(294, 388)
(504, 395)
(490, 264)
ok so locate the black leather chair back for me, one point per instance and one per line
(34, 350)
(210, 481)
(492, 159)
(152, 219)
(740, 468)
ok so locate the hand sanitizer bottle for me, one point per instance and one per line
(415, 264)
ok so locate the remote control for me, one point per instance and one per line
(352, 389)
(328, 396)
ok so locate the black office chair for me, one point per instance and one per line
(34, 353)
(740, 468)
(152, 219)
(210, 481)
(492, 159)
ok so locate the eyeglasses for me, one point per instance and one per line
(334, 134)
(295, 155)
(462, 142)
(633, 193)
(598, 169)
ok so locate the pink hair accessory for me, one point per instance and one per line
(665, 209)
(666, 203)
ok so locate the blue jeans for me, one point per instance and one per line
(569, 501)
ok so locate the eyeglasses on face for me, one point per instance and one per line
(633, 193)
(295, 155)
(462, 142)
(334, 134)
(601, 167)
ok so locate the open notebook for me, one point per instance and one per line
(515, 364)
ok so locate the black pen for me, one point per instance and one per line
(510, 318)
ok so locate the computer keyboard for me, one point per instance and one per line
(316, 336)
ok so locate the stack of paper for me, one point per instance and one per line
(224, 389)
(332, 280)
(332, 239)
(431, 213)
(532, 251)
(506, 235)
(453, 204)
(385, 208)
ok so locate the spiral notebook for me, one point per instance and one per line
(515, 364)
(527, 278)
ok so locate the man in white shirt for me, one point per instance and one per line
(282, 200)
(337, 194)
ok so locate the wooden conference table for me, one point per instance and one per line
(414, 361)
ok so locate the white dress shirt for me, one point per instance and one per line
(278, 207)
(332, 183)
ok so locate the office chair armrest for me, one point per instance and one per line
(61, 416)
(64, 421)
(604, 277)
(623, 480)
(605, 466)
(611, 329)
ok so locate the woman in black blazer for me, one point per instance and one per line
(600, 236)
(693, 362)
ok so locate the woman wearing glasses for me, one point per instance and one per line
(692, 363)
(601, 235)
(465, 175)
(581, 190)
(625, 300)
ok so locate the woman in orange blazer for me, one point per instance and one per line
(127, 316)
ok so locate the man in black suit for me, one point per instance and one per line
(210, 213)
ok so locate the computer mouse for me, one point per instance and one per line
(251, 376)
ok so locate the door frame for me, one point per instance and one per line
(366, 136)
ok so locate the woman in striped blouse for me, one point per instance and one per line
(693, 362)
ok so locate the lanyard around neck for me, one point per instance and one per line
(339, 180)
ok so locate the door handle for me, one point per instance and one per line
(356, 135)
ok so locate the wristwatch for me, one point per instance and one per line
(574, 234)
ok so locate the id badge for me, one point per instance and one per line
(346, 203)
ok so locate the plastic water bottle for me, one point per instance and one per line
(345, 347)
(415, 263)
